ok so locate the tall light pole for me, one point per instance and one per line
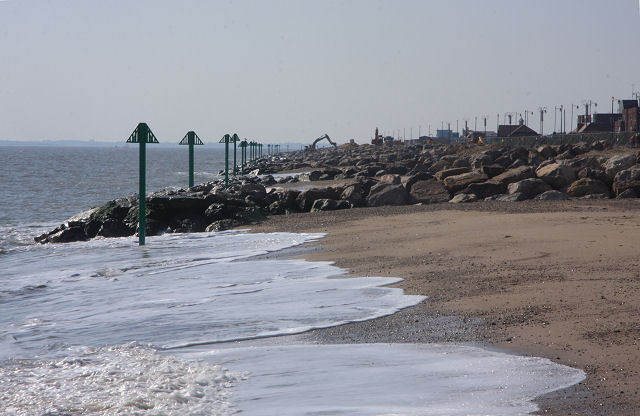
(542, 111)
(612, 99)
(485, 127)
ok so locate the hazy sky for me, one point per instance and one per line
(293, 70)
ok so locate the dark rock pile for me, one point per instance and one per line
(371, 176)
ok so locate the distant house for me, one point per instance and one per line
(515, 130)
(630, 121)
(447, 134)
(598, 123)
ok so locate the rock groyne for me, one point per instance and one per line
(367, 175)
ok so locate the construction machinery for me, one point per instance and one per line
(312, 146)
(378, 139)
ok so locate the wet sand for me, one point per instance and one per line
(559, 280)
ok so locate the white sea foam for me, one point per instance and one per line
(65, 306)
(181, 290)
(387, 379)
(121, 380)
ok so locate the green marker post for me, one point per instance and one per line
(235, 139)
(225, 139)
(243, 157)
(142, 135)
(191, 139)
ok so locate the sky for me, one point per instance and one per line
(292, 70)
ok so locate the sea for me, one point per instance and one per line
(204, 323)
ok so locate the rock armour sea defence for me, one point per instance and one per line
(367, 175)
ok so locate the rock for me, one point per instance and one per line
(457, 183)
(546, 152)
(440, 165)
(386, 194)
(419, 176)
(556, 175)
(552, 195)
(306, 198)
(354, 195)
(254, 190)
(461, 163)
(329, 205)
(592, 173)
(529, 187)
(268, 180)
(514, 197)
(596, 196)
(492, 170)
(397, 169)
(463, 198)
(484, 189)
(516, 164)
(222, 225)
(391, 179)
(629, 193)
(311, 176)
(627, 179)
(514, 175)
(114, 228)
(443, 174)
(64, 234)
(617, 164)
(480, 159)
(587, 186)
(429, 191)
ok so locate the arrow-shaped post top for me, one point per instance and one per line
(235, 138)
(144, 131)
(191, 138)
(244, 143)
(225, 139)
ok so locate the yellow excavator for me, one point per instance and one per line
(312, 146)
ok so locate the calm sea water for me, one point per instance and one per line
(178, 327)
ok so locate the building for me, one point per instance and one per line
(630, 121)
(515, 130)
(597, 123)
(446, 134)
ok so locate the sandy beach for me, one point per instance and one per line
(553, 279)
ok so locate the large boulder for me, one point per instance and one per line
(419, 176)
(552, 195)
(354, 194)
(592, 173)
(515, 197)
(457, 183)
(514, 175)
(484, 189)
(306, 198)
(445, 173)
(557, 175)
(463, 198)
(627, 179)
(587, 186)
(546, 152)
(391, 178)
(329, 205)
(387, 194)
(493, 170)
(617, 164)
(529, 187)
(429, 191)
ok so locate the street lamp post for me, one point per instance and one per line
(542, 111)
(612, 99)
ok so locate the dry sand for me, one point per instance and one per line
(552, 279)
